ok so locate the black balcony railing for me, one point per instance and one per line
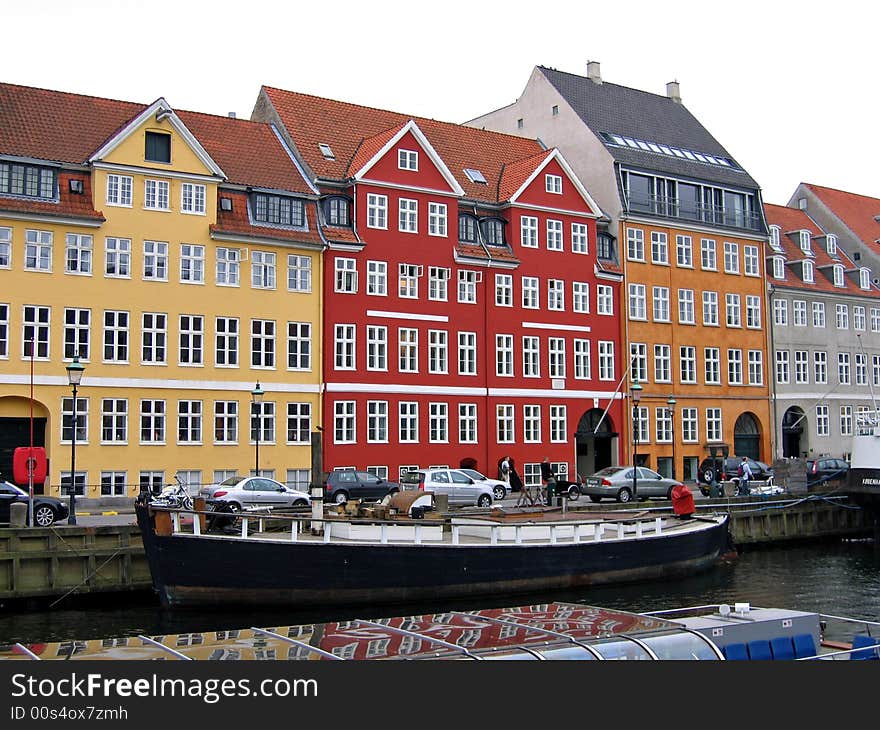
(715, 215)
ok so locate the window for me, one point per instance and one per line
(582, 365)
(344, 347)
(156, 260)
(635, 244)
(864, 279)
(377, 211)
(29, 180)
(119, 190)
(78, 254)
(152, 419)
(801, 367)
(338, 211)
(556, 351)
(299, 346)
(299, 273)
(377, 276)
(114, 421)
(808, 274)
(774, 237)
(189, 421)
(407, 160)
(157, 147)
(782, 371)
(4, 333)
(299, 423)
(344, 422)
(875, 319)
(408, 215)
(684, 251)
(408, 422)
(38, 251)
(731, 257)
(468, 229)
(555, 295)
(756, 367)
(710, 308)
(778, 267)
(262, 343)
(641, 425)
(558, 424)
(154, 338)
(192, 198)
(408, 281)
(686, 313)
(467, 286)
(713, 424)
(438, 423)
(554, 235)
(278, 210)
(407, 350)
(580, 297)
(638, 358)
(605, 300)
(437, 219)
(377, 347)
(504, 424)
(842, 316)
(76, 332)
(753, 311)
(225, 422)
(377, 421)
(687, 356)
(799, 313)
(262, 270)
(580, 242)
(861, 367)
(531, 424)
(663, 424)
(156, 194)
(5, 247)
(660, 297)
(606, 360)
(467, 353)
(192, 263)
(226, 342)
(846, 421)
(81, 428)
(689, 425)
(637, 303)
(750, 261)
(553, 184)
(708, 260)
(659, 248)
(531, 356)
(859, 320)
(493, 231)
(191, 339)
(35, 329)
(528, 231)
(467, 423)
(346, 276)
(843, 368)
(504, 355)
(780, 312)
(875, 370)
(804, 238)
(530, 292)
(228, 266)
(115, 337)
(822, 420)
(503, 290)
(438, 283)
(837, 275)
(733, 310)
(712, 358)
(438, 352)
(662, 363)
(820, 367)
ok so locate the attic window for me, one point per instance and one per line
(774, 238)
(475, 176)
(76, 186)
(805, 242)
(326, 151)
(29, 180)
(831, 244)
(838, 275)
(157, 147)
(808, 272)
(225, 203)
(865, 278)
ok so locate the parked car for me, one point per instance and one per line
(500, 488)
(727, 468)
(616, 482)
(825, 469)
(461, 489)
(47, 510)
(340, 485)
(239, 492)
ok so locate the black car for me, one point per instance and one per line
(47, 510)
(826, 469)
(340, 485)
(727, 470)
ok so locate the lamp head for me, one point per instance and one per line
(75, 371)
(257, 393)
(636, 391)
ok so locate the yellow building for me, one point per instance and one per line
(178, 256)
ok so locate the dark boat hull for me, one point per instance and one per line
(214, 570)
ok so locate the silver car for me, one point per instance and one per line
(499, 488)
(237, 493)
(461, 489)
(616, 482)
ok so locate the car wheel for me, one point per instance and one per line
(44, 516)
(594, 498)
(499, 491)
(300, 503)
(573, 492)
(234, 507)
(484, 501)
(340, 498)
(624, 495)
(707, 476)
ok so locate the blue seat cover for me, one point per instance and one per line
(782, 647)
(860, 642)
(804, 646)
(734, 652)
(759, 650)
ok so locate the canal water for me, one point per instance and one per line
(839, 578)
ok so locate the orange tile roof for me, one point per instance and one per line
(69, 205)
(370, 146)
(237, 222)
(516, 173)
(312, 120)
(855, 211)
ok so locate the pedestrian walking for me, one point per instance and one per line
(744, 471)
(504, 469)
(548, 479)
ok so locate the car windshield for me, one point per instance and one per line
(473, 474)
(232, 481)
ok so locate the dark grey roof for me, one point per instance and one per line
(611, 108)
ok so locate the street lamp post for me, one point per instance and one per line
(74, 378)
(257, 399)
(636, 390)
(670, 403)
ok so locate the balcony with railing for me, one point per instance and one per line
(667, 207)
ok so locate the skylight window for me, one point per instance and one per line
(663, 149)
(475, 176)
(326, 151)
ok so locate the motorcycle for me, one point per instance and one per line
(173, 495)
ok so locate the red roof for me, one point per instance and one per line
(237, 222)
(312, 120)
(855, 211)
(68, 205)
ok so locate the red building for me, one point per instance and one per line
(466, 314)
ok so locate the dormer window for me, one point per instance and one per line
(29, 180)
(808, 272)
(157, 147)
(805, 243)
(408, 160)
(278, 210)
(337, 211)
(553, 184)
(468, 228)
(605, 247)
(838, 275)
(493, 231)
(864, 278)
(831, 244)
(774, 238)
(778, 267)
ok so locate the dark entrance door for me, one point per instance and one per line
(792, 427)
(594, 442)
(747, 437)
(15, 432)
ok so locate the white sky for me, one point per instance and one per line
(788, 88)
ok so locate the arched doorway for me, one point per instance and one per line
(15, 430)
(747, 437)
(793, 425)
(595, 441)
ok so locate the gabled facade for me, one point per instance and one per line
(825, 336)
(466, 314)
(177, 255)
(689, 225)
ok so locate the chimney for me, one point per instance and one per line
(593, 72)
(232, 115)
(673, 91)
